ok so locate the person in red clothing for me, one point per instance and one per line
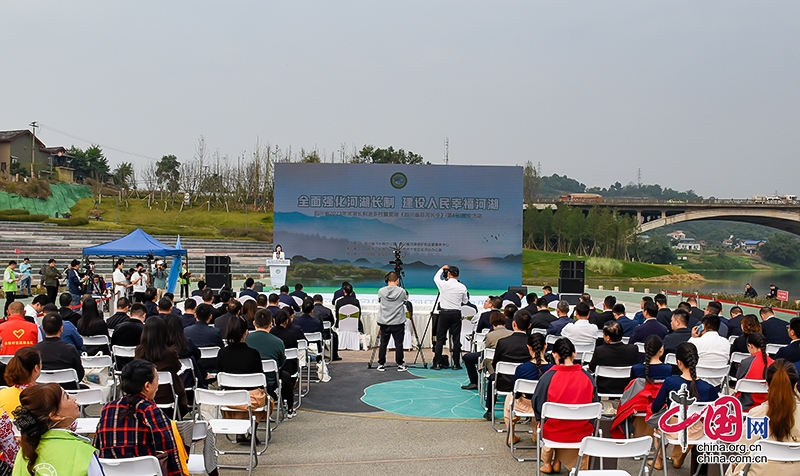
(16, 332)
(754, 368)
(566, 382)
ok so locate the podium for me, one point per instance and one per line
(277, 271)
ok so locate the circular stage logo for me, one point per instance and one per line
(399, 180)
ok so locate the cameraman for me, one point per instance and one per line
(452, 295)
(392, 320)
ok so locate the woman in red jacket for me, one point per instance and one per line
(566, 382)
(754, 368)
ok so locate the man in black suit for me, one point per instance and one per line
(613, 354)
(201, 286)
(628, 324)
(773, 328)
(530, 300)
(325, 315)
(607, 315)
(792, 351)
(298, 292)
(649, 326)
(67, 314)
(57, 354)
(204, 335)
(680, 331)
(348, 298)
(513, 348)
(121, 316)
(664, 314)
(150, 296)
(492, 304)
(339, 293)
(208, 300)
(513, 296)
(272, 303)
(129, 333)
(542, 318)
(288, 300)
(735, 322)
(233, 308)
(695, 313)
(249, 283)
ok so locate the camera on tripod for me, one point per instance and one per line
(398, 261)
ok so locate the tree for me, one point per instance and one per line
(89, 161)
(168, 173)
(530, 183)
(781, 249)
(123, 175)
(657, 250)
(369, 154)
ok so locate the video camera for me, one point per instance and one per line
(398, 259)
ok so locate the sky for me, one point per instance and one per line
(699, 95)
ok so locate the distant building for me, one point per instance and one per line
(688, 244)
(644, 238)
(751, 246)
(15, 148)
(676, 235)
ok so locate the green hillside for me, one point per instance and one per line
(64, 197)
(542, 264)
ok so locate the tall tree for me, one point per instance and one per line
(123, 175)
(168, 173)
(88, 162)
(370, 154)
(530, 183)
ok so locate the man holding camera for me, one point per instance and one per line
(392, 320)
(452, 295)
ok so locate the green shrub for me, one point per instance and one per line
(604, 266)
(73, 221)
(33, 188)
(24, 218)
(13, 211)
(258, 234)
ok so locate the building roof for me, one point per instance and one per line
(10, 136)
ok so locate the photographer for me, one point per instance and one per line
(392, 320)
(139, 281)
(452, 295)
(160, 276)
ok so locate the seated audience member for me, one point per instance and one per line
(239, 358)
(121, 316)
(640, 393)
(67, 313)
(305, 321)
(234, 308)
(34, 309)
(186, 350)
(754, 368)
(340, 293)
(16, 332)
(249, 284)
(91, 324)
(129, 333)
(664, 314)
(262, 301)
(547, 293)
(150, 298)
(153, 348)
(204, 335)
(695, 313)
(21, 372)
(509, 310)
(531, 370)
(562, 311)
(750, 325)
(542, 318)
(712, 349)
(187, 318)
(69, 334)
(650, 326)
(792, 351)
(249, 309)
(628, 324)
(783, 410)
(565, 382)
(273, 304)
(582, 333)
(57, 354)
(613, 353)
(492, 304)
(600, 319)
(530, 301)
(693, 322)
(680, 331)
(201, 287)
(323, 314)
(288, 300)
(271, 347)
(281, 330)
(639, 316)
(714, 308)
(773, 328)
(133, 425)
(298, 292)
(735, 322)
(512, 348)
(515, 297)
(44, 418)
(471, 359)
(687, 357)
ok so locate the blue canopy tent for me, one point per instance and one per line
(137, 244)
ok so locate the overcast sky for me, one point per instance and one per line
(700, 95)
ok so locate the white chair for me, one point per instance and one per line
(196, 463)
(59, 376)
(773, 349)
(165, 378)
(731, 339)
(738, 357)
(270, 366)
(559, 411)
(551, 339)
(671, 359)
(640, 346)
(293, 354)
(348, 317)
(100, 362)
(230, 426)
(208, 352)
(86, 397)
(96, 340)
(314, 338)
(120, 351)
(140, 466)
(5, 359)
(228, 381)
(467, 326)
(187, 365)
(625, 340)
(777, 451)
(527, 387)
(488, 353)
(612, 448)
(538, 330)
(664, 440)
(584, 352)
(747, 385)
(716, 376)
(298, 301)
(501, 368)
(302, 354)
(617, 373)
(478, 342)
(327, 343)
(87, 425)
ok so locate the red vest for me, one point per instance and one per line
(17, 333)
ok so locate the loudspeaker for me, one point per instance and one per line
(571, 270)
(570, 286)
(218, 265)
(522, 289)
(217, 281)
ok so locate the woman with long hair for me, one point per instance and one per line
(754, 368)
(565, 382)
(702, 391)
(750, 325)
(44, 418)
(153, 348)
(783, 409)
(134, 425)
(249, 309)
(92, 323)
(186, 349)
(531, 370)
(642, 390)
(21, 372)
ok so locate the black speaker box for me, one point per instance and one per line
(217, 281)
(522, 289)
(570, 286)
(572, 269)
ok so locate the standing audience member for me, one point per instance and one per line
(74, 282)
(119, 285)
(452, 295)
(153, 348)
(754, 368)
(21, 372)
(51, 278)
(773, 328)
(133, 425)
(44, 418)
(139, 280)
(57, 354)
(566, 382)
(16, 332)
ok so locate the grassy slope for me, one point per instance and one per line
(197, 221)
(731, 261)
(547, 265)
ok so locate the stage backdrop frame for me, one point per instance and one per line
(339, 214)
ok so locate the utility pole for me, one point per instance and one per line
(639, 177)
(446, 151)
(33, 125)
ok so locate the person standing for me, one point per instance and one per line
(25, 276)
(10, 284)
(160, 276)
(183, 279)
(139, 281)
(452, 295)
(74, 282)
(120, 284)
(52, 275)
(392, 320)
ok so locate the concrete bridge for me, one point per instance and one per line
(652, 213)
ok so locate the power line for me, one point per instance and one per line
(43, 126)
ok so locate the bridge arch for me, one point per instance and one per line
(786, 220)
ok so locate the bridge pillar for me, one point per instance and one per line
(639, 217)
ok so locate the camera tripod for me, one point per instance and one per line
(415, 336)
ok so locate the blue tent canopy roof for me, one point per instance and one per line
(137, 243)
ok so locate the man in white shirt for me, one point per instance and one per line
(712, 349)
(120, 283)
(33, 309)
(582, 333)
(139, 281)
(452, 295)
